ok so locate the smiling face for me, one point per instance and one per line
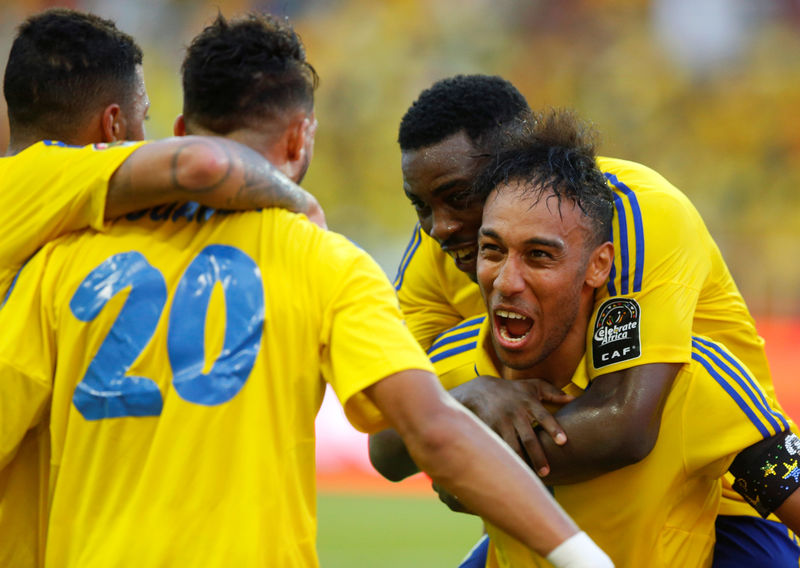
(437, 180)
(537, 272)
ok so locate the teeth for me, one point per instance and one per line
(508, 338)
(510, 315)
(463, 253)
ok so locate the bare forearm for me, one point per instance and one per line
(213, 171)
(597, 444)
(489, 479)
(613, 425)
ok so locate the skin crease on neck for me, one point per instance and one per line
(437, 180)
(538, 275)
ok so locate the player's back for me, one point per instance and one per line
(188, 348)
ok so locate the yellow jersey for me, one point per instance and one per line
(660, 512)
(47, 190)
(668, 281)
(186, 352)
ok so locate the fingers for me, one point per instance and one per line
(532, 448)
(549, 393)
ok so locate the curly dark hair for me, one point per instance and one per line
(554, 157)
(63, 64)
(250, 68)
(483, 106)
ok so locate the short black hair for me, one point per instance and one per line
(483, 106)
(250, 68)
(555, 156)
(62, 66)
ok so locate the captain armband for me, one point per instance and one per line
(767, 472)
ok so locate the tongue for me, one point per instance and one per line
(517, 327)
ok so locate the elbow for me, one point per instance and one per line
(631, 440)
(202, 165)
(389, 457)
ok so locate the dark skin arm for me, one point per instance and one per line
(213, 171)
(614, 424)
(390, 458)
(789, 512)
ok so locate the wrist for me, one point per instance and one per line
(579, 551)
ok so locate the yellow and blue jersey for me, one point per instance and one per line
(50, 189)
(47, 190)
(668, 281)
(184, 353)
(661, 511)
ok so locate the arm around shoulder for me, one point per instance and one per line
(213, 171)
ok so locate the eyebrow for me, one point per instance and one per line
(552, 243)
(446, 186)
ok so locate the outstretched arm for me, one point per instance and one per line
(467, 459)
(213, 171)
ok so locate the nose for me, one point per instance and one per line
(444, 226)
(509, 280)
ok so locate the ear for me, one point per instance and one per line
(179, 126)
(599, 265)
(110, 123)
(296, 139)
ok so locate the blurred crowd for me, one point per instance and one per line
(704, 91)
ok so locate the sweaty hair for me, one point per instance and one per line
(253, 68)
(63, 65)
(485, 107)
(555, 157)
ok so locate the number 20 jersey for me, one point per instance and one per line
(190, 356)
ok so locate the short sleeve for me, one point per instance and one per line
(366, 339)
(662, 258)
(51, 189)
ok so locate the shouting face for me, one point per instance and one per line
(537, 272)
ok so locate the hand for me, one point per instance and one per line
(450, 500)
(512, 409)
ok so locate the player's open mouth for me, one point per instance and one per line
(512, 327)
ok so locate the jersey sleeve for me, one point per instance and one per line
(365, 339)
(433, 295)
(727, 411)
(51, 189)
(644, 314)
(27, 359)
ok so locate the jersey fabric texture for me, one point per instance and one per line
(661, 511)
(47, 190)
(668, 281)
(186, 354)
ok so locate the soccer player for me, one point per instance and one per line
(543, 251)
(182, 354)
(668, 274)
(74, 86)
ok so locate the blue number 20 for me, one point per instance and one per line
(107, 392)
